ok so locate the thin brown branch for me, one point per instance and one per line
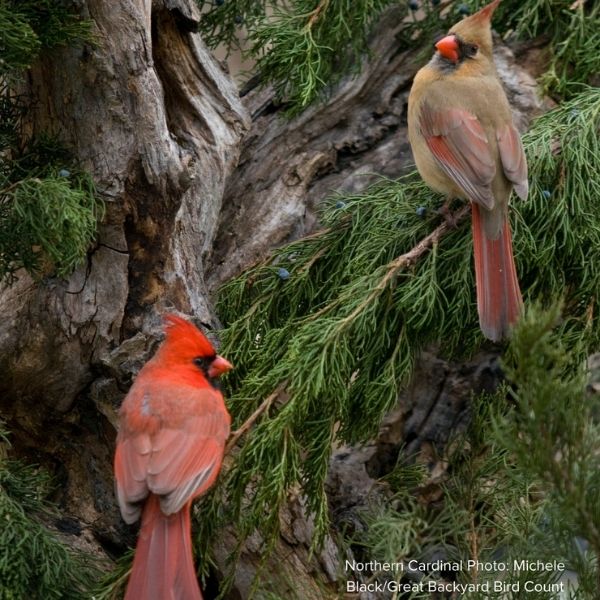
(11, 187)
(405, 260)
(433, 238)
(314, 15)
(313, 259)
(473, 540)
(247, 424)
(410, 258)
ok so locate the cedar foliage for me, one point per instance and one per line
(48, 218)
(302, 47)
(342, 334)
(523, 479)
(552, 435)
(34, 562)
(48, 207)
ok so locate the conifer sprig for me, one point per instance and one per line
(48, 224)
(553, 435)
(29, 25)
(222, 20)
(304, 47)
(574, 31)
(301, 47)
(55, 23)
(34, 563)
(487, 512)
(19, 45)
(48, 207)
(521, 483)
(345, 343)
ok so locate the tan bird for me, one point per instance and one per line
(465, 145)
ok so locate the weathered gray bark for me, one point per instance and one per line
(155, 120)
(153, 117)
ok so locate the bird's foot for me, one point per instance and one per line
(445, 212)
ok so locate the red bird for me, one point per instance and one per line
(466, 146)
(173, 428)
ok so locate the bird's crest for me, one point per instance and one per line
(484, 15)
(185, 340)
(477, 28)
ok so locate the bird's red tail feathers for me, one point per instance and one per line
(163, 567)
(499, 300)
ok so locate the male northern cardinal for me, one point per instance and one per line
(173, 427)
(466, 146)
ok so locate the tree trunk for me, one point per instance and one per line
(152, 116)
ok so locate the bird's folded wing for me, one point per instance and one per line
(131, 461)
(459, 144)
(179, 460)
(185, 462)
(513, 158)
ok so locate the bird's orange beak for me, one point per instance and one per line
(448, 47)
(219, 366)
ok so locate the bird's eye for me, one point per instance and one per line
(470, 50)
(203, 362)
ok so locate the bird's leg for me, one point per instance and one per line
(446, 213)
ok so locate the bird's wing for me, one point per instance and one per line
(131, 461)
(459, 144)
(512, 155)
(178, 455)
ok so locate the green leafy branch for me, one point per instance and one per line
(553, 435)
(333, 318)
(520, 483)
(304, 47)
(34, 562)
(48, 207)
(573, 30)
(47, 225)
(29, 25)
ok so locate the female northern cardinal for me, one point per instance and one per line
(466, 146)
(173, 428)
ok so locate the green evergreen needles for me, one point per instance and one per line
(34, 563)
(47, 224)
(48, 218)
(574, 32)
(521, 483)
(48, 208)
(303, 47)
(335, 341)
(553, 435)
